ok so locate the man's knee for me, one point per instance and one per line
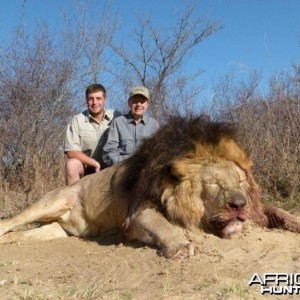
(74, 170)
(74, 165)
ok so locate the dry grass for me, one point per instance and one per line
(15, 195)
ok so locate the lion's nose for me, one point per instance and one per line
(237, 201)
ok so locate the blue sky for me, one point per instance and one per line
(258, 34)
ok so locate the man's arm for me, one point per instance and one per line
(73, 149)
(85, 159)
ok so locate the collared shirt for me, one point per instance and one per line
(125, 136)
(84, 132)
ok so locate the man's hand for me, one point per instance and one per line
(86, 160)
(97, 167)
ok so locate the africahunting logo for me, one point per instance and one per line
(277, 283)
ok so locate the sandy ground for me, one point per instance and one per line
(72, 268)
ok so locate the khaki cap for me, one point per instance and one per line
(139, 90)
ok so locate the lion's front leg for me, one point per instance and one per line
(151, 227)
(279, 218)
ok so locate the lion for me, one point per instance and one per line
(191, 176)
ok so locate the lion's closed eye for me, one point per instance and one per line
(244, 185)
(211, 182)
(242, 177)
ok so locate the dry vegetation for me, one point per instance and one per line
(269, 127)
(43, 77)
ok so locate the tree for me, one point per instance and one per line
(42, 81)
(89, 37)
(155, 59)
(269, 127)
(34, 105)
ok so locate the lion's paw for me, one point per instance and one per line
(181, 251)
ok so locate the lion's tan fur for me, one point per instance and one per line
(192, 175)
(182, 202)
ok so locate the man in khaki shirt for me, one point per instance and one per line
(85, 135)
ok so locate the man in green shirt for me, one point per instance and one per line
(85, 134)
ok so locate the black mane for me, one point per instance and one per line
(147, 169)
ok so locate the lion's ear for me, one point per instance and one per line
(183, 169)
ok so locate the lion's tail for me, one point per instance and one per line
(279, 218)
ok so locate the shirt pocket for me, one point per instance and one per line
(88, 139)
(127, 146)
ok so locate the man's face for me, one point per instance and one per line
(96, 102)
(138, 105)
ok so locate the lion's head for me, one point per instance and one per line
(196, 174)
(213, 194)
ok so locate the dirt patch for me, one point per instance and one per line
(73, 268)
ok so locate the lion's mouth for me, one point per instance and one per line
(227, 228)
(231, 227)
